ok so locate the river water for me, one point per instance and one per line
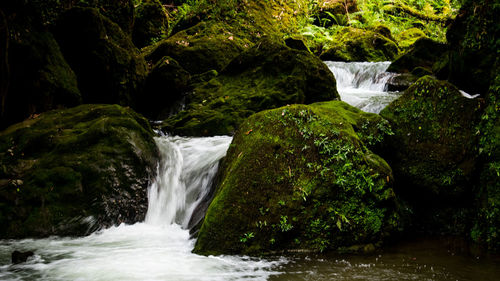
(160, 247)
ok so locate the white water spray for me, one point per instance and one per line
(363, 84)
(158, 249)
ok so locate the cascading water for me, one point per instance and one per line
(363, 84)
(157, 249)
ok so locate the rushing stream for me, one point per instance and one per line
(160, 247)
(363, 84)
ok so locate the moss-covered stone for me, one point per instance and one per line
(165, 85)
(353, 44)
(408, 37)
(474, 42)
(424, 53)
(203, 47)
(433, 150)
(268, 75)
(67, 172)
(40, 78)
(107, 64)
(302, 177)
(151, 23)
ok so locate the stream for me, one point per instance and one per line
(160, 247)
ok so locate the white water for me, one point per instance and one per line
(157, 249)
(363, 84)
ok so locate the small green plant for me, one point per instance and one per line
(284, 224)
(246, 237)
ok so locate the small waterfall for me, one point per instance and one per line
(184, 178)
(363, 84)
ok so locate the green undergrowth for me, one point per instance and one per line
(302, 177)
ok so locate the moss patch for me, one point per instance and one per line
(302, 177)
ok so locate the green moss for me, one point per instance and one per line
(433, 150)
(410, 36)
(67, 165)
(300, 177)
(150, 24)
(353, 44)
(268, 75)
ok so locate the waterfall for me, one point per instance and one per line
(363, 84)
(184, 177)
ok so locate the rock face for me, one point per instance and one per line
(40, 78)
(302, 177)
(433, 149)
(151, 23)
(423, 53)
(107, 64)
(353, 44)
(269, 75)
(68, 172)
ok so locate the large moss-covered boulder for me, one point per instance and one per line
(302, 177)
(67, 172)
(40, 78)
(353, 44)
(151, 23)
(433, 150)
(424, 53)
(203, 47)
(268, 75)
(107, 64)
(474, 44)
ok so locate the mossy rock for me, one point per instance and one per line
(401, 82)
(107, 64)
(268, 75)
(302, 177)
(353, 44)
(203, 47)
(151, 23)
(334, 12)
(165, 85)
(433, 150)
(40, 78)
(424, 53)
(68, 172)
(474, 42)
(408, 37)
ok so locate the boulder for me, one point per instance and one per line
(20, 257)
(302, 177)
(268, 75)
(107, 64)
(424, 53)
(40, 78)
(401, 82)
(151, 23)
(165, 85)
(354, 44)
(203, 47)
(72, 171)
(433, 151)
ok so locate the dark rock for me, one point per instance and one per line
(296, 44)
(40, 79)
(165, 85)
(107, 64)
(266, 76)
(302, 177)
(20, 257)
(401, 82)
(151, 23)
(68, 172)
(424, 53)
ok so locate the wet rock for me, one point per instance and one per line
(401, 82)
(76, 170)
(20, 257)
(302, 177)
(424, 53)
